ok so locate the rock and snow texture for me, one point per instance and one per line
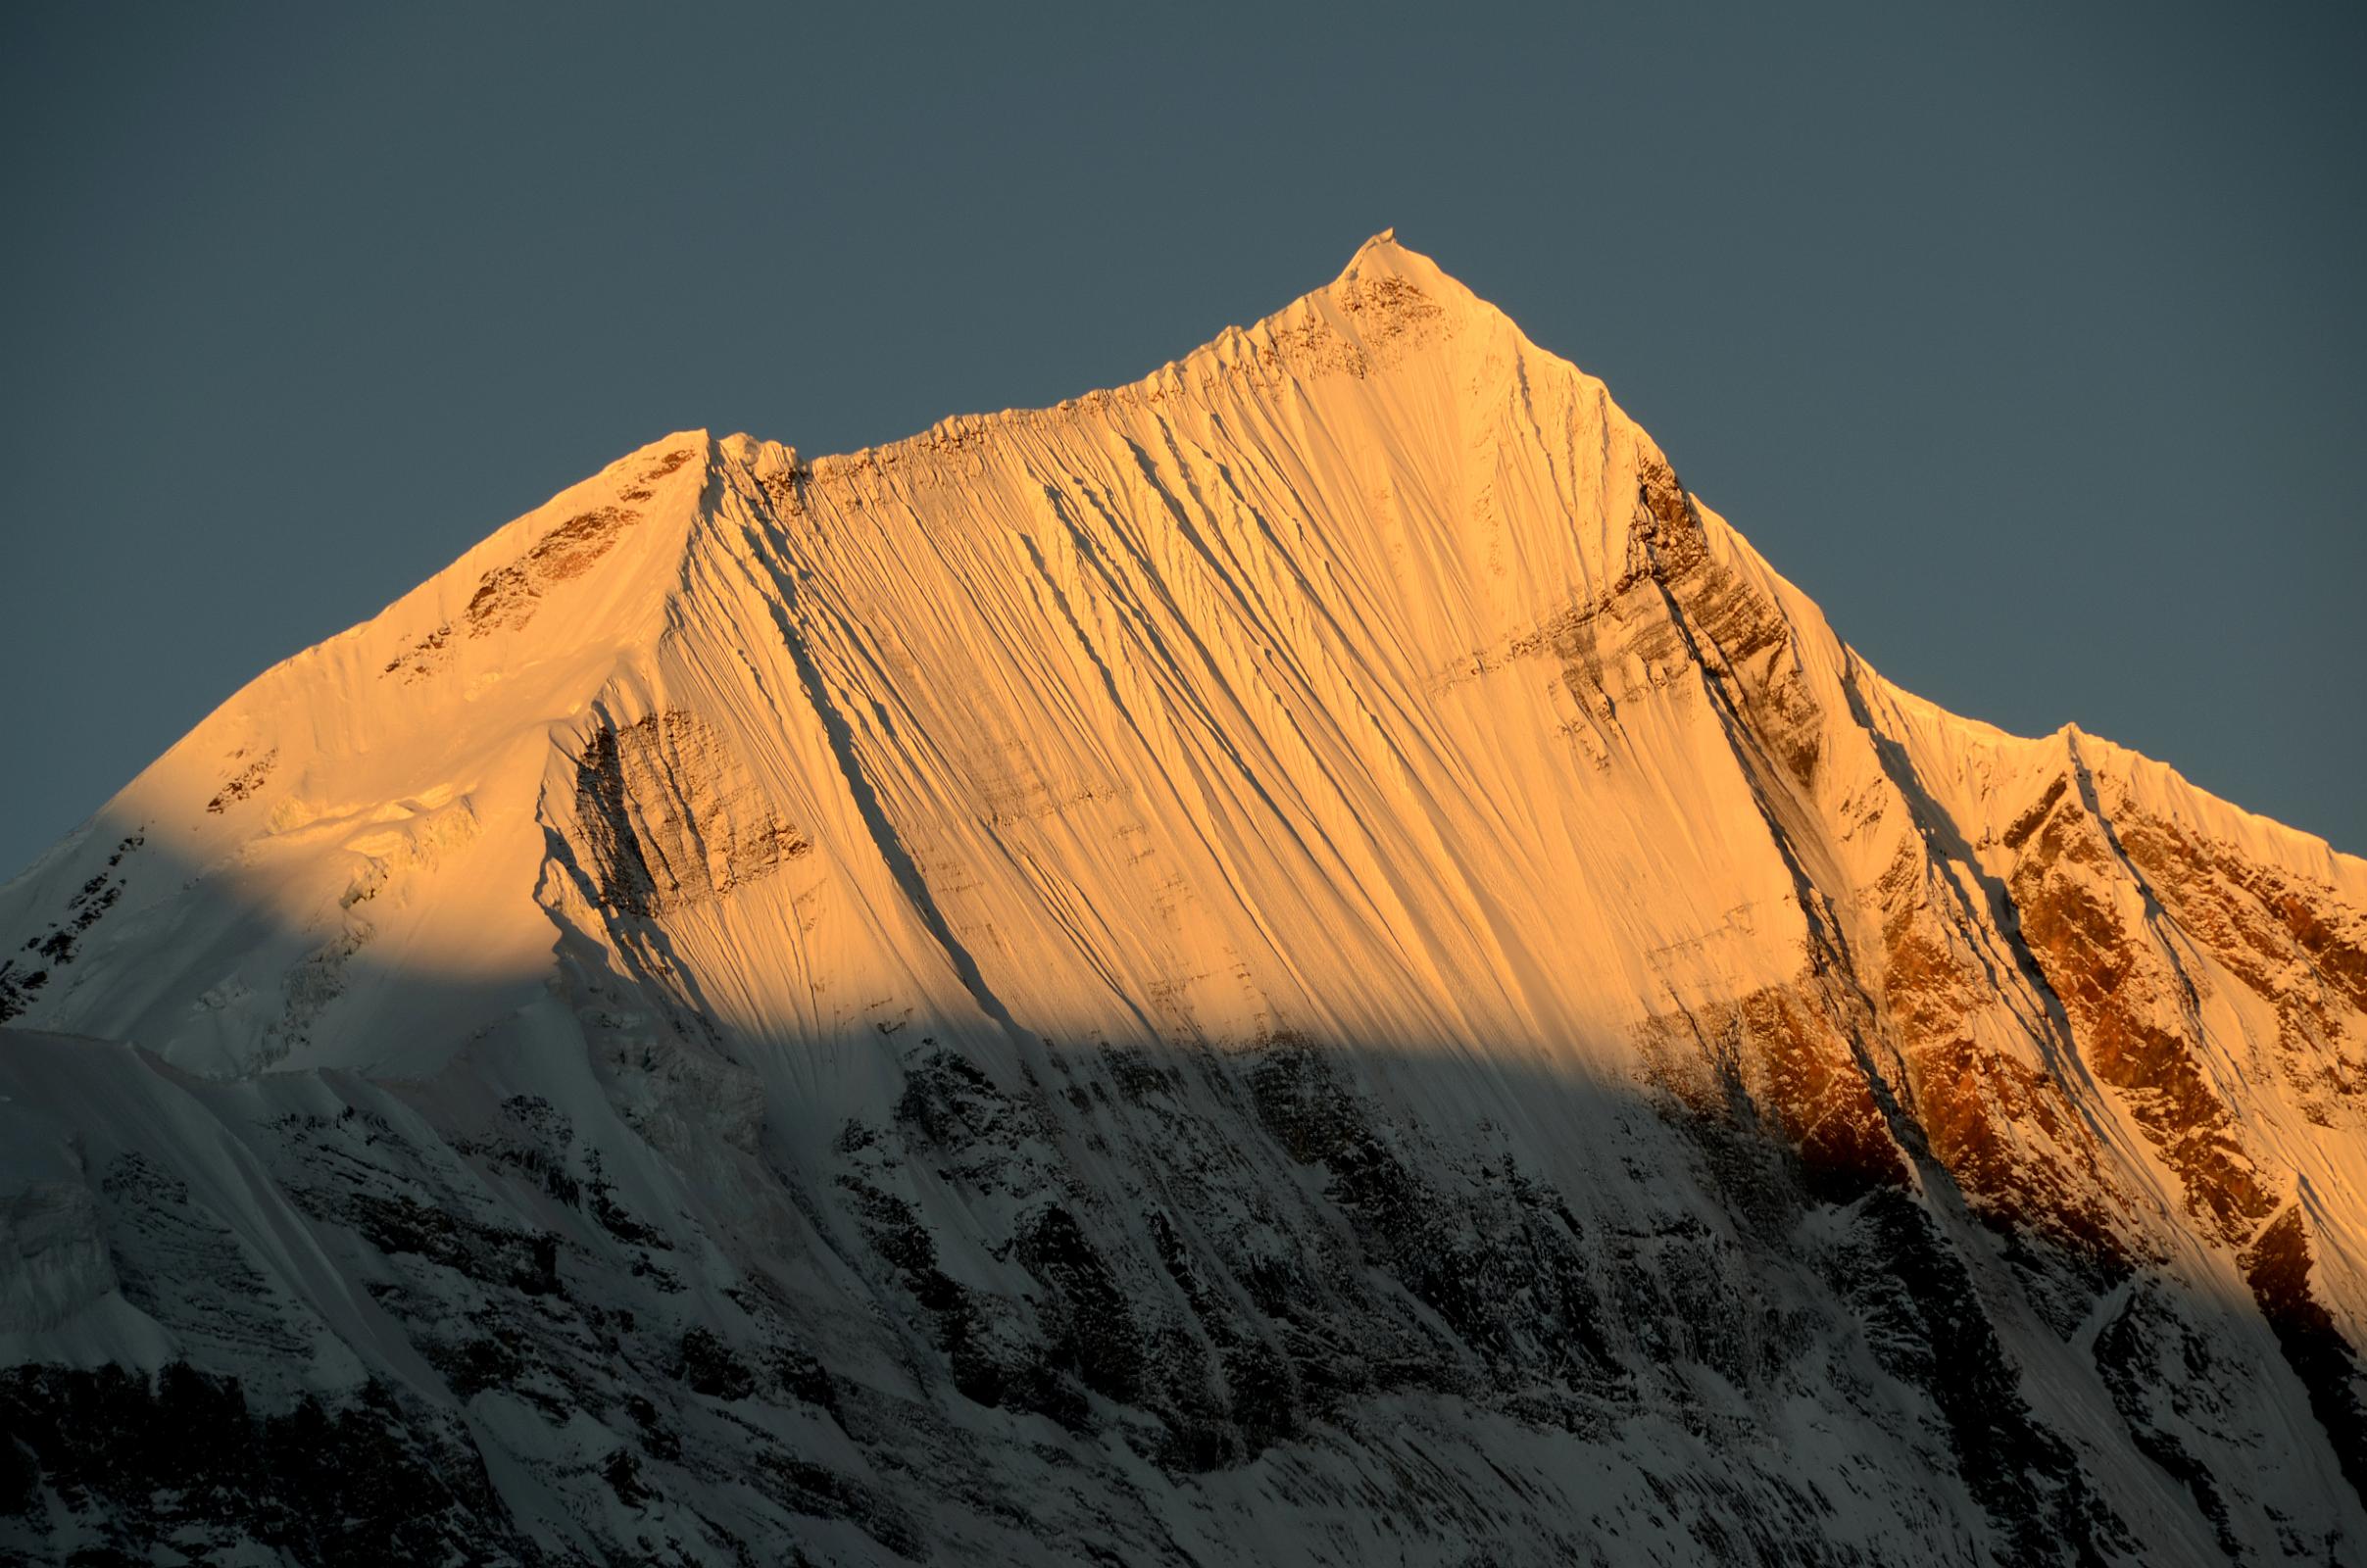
(1306, 961)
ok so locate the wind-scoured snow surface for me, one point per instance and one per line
(1309, 960)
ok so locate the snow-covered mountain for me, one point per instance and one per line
(1306, 960)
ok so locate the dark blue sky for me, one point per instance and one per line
(2027, 340)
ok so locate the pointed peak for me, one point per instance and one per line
(1383, 255)
(1384, 258)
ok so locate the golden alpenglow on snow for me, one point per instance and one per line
(1307, 961)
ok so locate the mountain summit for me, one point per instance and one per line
(1307, 959)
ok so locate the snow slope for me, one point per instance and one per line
(1305, 959)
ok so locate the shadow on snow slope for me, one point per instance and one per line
(593, 1292)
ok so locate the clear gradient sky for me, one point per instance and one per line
(2028, 339)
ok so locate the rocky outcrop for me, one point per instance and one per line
(2122, 999)
(667, 816)
(2291, 942)
(508, 596)
(1072, 1273)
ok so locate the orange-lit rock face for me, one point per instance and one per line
(506, 596)
(669, 816)
(249, 778)
(2006, 1131)
(1735, 627)
(2294, 943)
(1674, 606)
(2128, 1012)
(1786, 1056)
